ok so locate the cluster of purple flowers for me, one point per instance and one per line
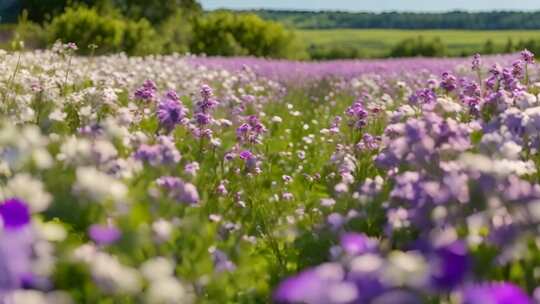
(147, 92)
(202, 116)
(170, 111)
(179, 190)
(446, 175)
(358, 115)
(251, 131)
(162, 153)
(16, 241)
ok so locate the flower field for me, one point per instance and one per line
(171, 179)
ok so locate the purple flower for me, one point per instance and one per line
(163, 153)
(179, 190)
(246, 155)
(527, 56)
(221, 261)
(148, 153)
(147, 91)
(357, 243)
(451, 264)
(207, 101)
(448, 82)
(202, 118)
(15, 213)
(323, 284)
(423, 96)
(495, 293)
(170, 111)
(476, 62)
(15, 244)
(517, 69)
(104, 234)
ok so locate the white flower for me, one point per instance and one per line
(113, 277)
(74, 150)
(448, 105)
(277, 119)
(157, 268)
(162, 230)
(406, 269)
(52, 231)
(98, 185)
(526, 100)
(168, 291)
(22, 296)
(57, 115)
(30, 190)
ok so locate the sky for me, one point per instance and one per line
(377, 5)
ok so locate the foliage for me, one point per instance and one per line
(326, 52)
(85, 26)
(176, 32)
(227, 34)
(156, 11)
(418, 46)
(44, 10)
(140, 38)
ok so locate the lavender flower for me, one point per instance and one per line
(527, 56)
(104, 234)
(170, 112)
(14, 213)
(495, 293)
(179, 190)
(356, 243)
(476, 62)
(147, 91)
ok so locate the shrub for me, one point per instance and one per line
(225, 34)
(156, 11)
(85, 26)
(140, 38)
(111, 33)
(176, 32)
(325, 52)
(413, 47)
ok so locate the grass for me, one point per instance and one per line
(378, 42)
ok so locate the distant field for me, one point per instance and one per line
(377, 42)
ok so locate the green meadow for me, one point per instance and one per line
(378, 42)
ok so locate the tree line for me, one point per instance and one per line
(495, 20)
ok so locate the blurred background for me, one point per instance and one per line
(301, 30)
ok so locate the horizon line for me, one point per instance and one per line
(304, 10)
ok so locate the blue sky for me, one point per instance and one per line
(377, 5)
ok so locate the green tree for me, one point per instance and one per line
(112, 33)
(225, 34)
(156, 11)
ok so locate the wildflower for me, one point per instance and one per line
(171, 111)
(14, 213)
(496, 293)
(179, 190)
(147, 91)
(448, 82)
(527, 56)
(104, 234)
(246, 155)
(476, 62)
(355, 243)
